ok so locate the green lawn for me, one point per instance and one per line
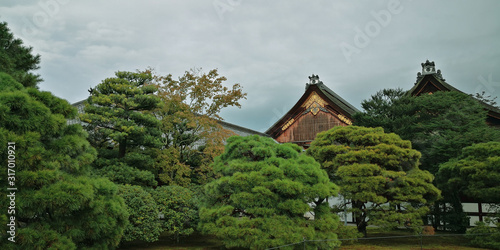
(194, 241)
(443, 242)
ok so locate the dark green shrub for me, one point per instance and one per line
(485, 236)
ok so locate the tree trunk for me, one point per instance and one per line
(361, 224)
(360, 217)
(317, 210)
(122, 148)
(436, 220)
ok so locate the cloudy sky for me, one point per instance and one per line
(269, 47)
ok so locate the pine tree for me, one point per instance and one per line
(57, 203)
(378, 173)
(264, 194)
(119, 118)
(17, 60)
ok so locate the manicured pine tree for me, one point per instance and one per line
(378, 174)
(264, 193)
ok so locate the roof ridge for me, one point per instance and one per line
(322, 86)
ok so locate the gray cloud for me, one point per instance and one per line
(268, 47)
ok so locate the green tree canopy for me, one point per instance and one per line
(382, 110)
(16, 59)
(447, 122)
(378, 173)
(474, 173)
(438, 125)
(264, 192)
(57, 204)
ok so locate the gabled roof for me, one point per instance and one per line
(333, 103)
(427, 82)
(239, 130)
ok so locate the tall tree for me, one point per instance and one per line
(378, 173)
(119, 118)
(55, 203)
(189, 116)
(17, 60)
(263, 195)
(447, 122)
(381, 110)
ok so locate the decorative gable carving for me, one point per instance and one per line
(314, 98)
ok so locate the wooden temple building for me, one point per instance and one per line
(318, 109)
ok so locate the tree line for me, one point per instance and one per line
(149, 158)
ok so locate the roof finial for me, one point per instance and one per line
(429, 68)
(314, 79)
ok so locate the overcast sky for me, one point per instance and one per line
(269, 47)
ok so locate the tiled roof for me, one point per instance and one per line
(335, 98)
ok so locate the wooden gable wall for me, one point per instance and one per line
(303, 130)
(429, 87)
(315, 114)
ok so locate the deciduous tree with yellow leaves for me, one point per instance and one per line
(192, 136)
